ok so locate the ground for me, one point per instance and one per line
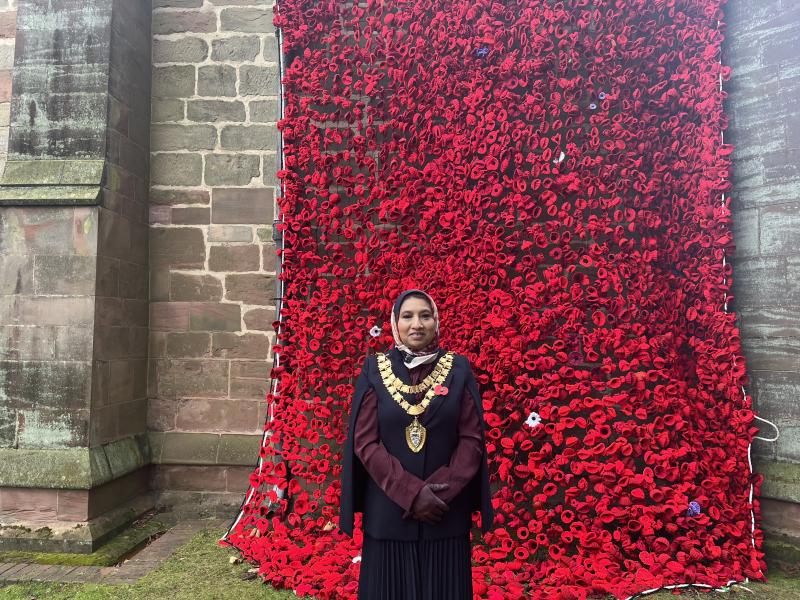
(201, 570)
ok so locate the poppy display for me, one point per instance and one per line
(554, 173)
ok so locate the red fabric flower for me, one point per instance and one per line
(561, 196)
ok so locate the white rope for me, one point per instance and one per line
(278, 300)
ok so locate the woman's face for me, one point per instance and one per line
(415, 323)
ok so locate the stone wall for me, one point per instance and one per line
(763, 48)
(212, 281)
(8, 29)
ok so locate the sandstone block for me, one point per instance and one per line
(251, 288)
(191, 215)
(246, 20)
(166, 196)
(235, 49)
(233, 258)
(216, 80)
(183, 50)
(167, 109)
(182, 137)
(259, 81)
(232, 205)
(177, 248)
(185, 287)
(249, 137)
(211, 111)
(230, 233)
(174, 81)
(231, 169)
(233, 345)
(184, 22)
(188, 345)
(177, 169)
(264, 111)
(260, 319)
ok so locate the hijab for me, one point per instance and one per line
(429, 353)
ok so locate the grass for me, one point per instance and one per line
(200, 570)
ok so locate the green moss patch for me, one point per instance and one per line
(110, 553)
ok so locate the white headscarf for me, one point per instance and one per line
(429, 353)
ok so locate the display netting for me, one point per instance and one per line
(553, 173)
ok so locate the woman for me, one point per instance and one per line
(415, 463)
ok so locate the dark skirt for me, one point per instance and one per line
(416, 570)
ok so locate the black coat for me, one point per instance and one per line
(383, 517)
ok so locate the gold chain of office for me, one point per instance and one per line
(416, 434)
(397, 388)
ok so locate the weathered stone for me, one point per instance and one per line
(8, 23)
(61, 385)
(174, 81)
(247, 20)
(189, 345)
(780, 229)
(191, 215)
(46, 310)
(73, 343)
(249, 389)
(258, 81)
(177, 3)
(24, 231)
(184, 21)
(177, 248)
(216, 80)
(67, 275)
(767, 282)
(745, 232)
(269, 258)
(160, 417)
(162, 196)
(133, 281)
(229, 233)
(215, 317)
(183, 137)
(250, 288)
(177, 169)
(271, 168)
(271, 49)
(186, 287)
(238, 449)
(218, 415)
(192, 378)
(233, 258)
(182, 477)
(17, 274)
(235, 49)
(776, 322)
(189, 448)
(264, 111)
(260, 319)
(182, 50)
(166, 109)
(249, 137)
(231, 345)
(265, 234)
(237, 205)
(28, 343)
(211, 111)
(231, 169)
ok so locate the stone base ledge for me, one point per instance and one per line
(76, 537)
(781, 480)
(73, 468)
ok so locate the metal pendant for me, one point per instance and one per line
(415, 435)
